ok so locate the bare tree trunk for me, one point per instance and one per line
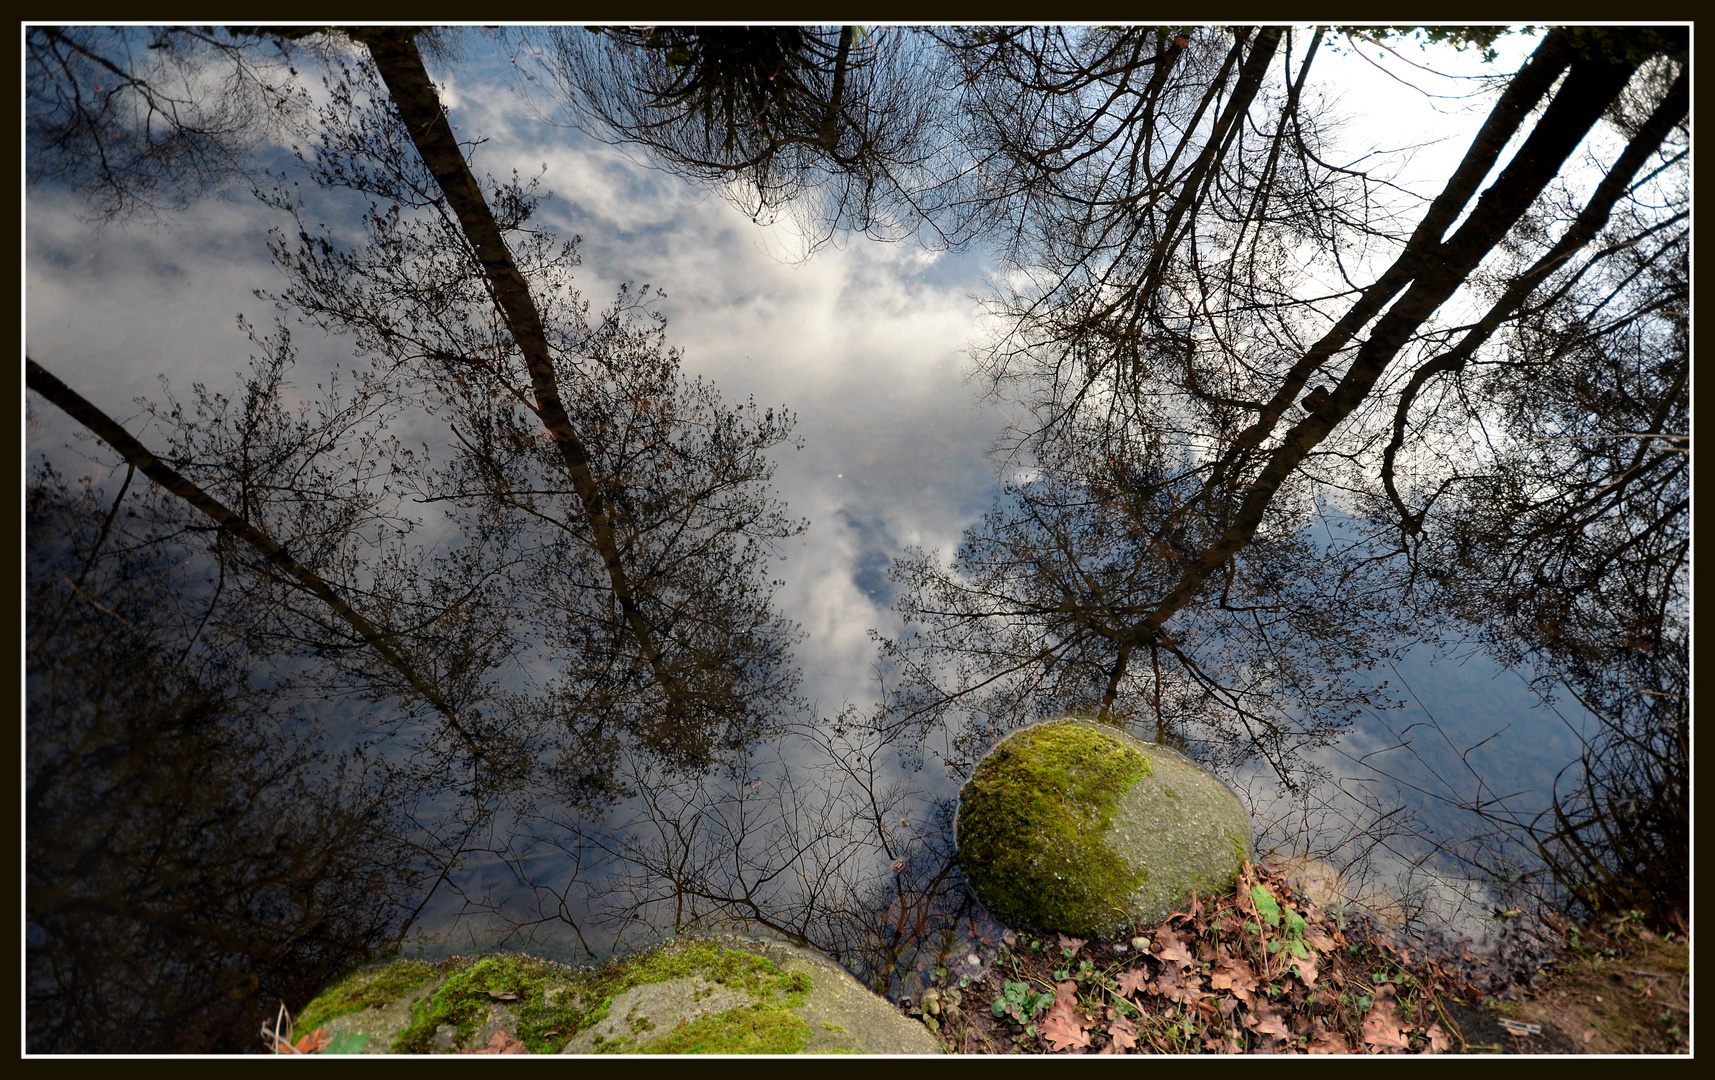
(79, 408)
(1435, 270)
(414, 95)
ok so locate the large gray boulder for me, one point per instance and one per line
(724, 994)
(1075, 827)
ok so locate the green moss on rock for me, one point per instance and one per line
(1031, 821)
(553, 1002)
(363, 989)
(733, 994)
(756, 1030)
(1072, 826)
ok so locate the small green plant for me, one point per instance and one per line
(1291, 923)
(1018, 1002)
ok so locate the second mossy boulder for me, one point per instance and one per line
(1075, 827)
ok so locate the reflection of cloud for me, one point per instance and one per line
(864, 344)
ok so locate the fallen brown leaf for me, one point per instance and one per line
(503, 995)
(1329, 1042)
(1122, 1032)
(1131, 981)
(1306, 967)
(1188, 991)
(1071, 943)
(1316, 939)
(1066, 995)
(1173, 949)
(1381, 1026)
(1236, 976)
(1438, 1040)
(1166, 983)
(1268, 1021)
(1062, 1032)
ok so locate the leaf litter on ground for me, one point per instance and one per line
(1257, 970)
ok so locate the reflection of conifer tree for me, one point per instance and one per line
(841, 118)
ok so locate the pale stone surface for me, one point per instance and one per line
(1185, 829)
(645, 1013)
(844, 1014)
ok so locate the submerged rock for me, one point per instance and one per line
(725, 995)
(1075, 827)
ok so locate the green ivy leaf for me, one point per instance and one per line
(1265, 905)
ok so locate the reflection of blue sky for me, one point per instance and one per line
(1469, 731)
(865, 342)
(876, 549)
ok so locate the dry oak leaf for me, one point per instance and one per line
(1439, 1042)
(1072, 943)
(1306, 967)
(1122, 1032)
(1316, 939)
(1173, 948)
(1329, 1042)
(309, 1044)
(1132, 981)
(1225, 1041)
(1235, 976)
(1062, 1033)
(1167, 983)
(1268, 1021)
(1066, 995)
(1381, 1026)
(503, 995)
(1188, 992)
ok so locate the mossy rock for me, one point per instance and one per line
(730, 995)
(1074, 827)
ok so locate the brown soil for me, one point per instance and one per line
(1626, 994)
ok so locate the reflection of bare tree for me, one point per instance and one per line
(147, 122)
(820, 836)
(1039, 614)
(1204, 334)
(595, 591)
(196, 846)
(1569, 546)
